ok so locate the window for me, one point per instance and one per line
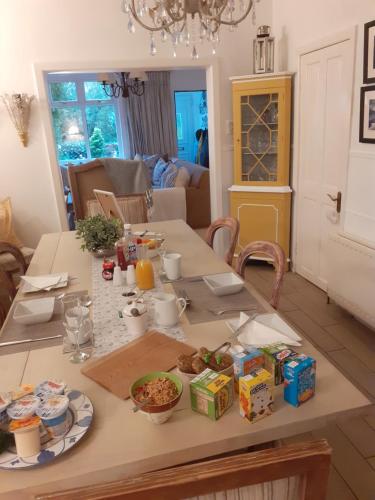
(86, 121)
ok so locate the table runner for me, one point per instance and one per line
(110, 331)
(203, 299)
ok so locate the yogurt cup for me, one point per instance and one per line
(26, 435)
(5, 401)
(23, 408)
(54, 412)
(50, 386)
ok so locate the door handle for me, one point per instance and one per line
(337, 200)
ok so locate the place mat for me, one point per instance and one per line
(203, 299)
(15, 331)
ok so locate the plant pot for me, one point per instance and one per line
(104, 252)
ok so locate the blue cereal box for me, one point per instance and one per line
(299, 379)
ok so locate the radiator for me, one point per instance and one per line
(351, 276)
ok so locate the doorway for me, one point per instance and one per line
(192, 126)
(326, 84)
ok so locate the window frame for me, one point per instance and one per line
(82, 103)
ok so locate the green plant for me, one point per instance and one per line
(98, 233)
(97, 143)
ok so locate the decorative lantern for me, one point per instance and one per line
(263, 50)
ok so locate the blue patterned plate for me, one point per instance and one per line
(80, 413)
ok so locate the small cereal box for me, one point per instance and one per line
(245, 363)
(275, 356)
(256, 395)
(211, 393)
(299, 379)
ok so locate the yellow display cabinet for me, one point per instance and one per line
(261, 195)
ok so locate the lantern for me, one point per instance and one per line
(263, 50)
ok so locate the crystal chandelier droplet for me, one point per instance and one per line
(152, 45)
(131, 26)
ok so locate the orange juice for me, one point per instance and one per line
(144, 272)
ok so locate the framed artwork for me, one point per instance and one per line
(369, 53)
(367, 115)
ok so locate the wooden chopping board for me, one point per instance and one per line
(154, 351)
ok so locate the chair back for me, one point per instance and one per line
(295, 472)
(83, 180)
(233, 226)
(133, 208)
(7, 294)
(270, 249)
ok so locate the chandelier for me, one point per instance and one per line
(186, 22)
(128, 82)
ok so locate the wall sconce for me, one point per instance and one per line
(263, 50)
(18, 106)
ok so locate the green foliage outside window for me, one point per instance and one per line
(97, 143)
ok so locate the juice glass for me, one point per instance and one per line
(144, 272)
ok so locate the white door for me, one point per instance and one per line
(326, 81)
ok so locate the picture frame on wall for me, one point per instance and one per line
(369, 53)
(367, 115)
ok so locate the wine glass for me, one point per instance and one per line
(74, 317)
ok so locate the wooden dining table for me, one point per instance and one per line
(121, 443)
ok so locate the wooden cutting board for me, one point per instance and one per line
(154, 351)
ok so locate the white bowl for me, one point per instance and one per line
(224, 284)
(29, 312)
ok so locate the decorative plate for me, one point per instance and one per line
(80, 413)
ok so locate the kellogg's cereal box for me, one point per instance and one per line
(245, 363)
(256, 395)
(275, 356)
(211, 393)
(299, 379)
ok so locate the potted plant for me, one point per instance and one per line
(99, 234)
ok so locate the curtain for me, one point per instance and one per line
(149, 118)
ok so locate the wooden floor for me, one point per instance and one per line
(351, 347)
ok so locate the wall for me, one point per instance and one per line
(67, 31)
(300, 22)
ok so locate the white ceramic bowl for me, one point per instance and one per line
(29, 312)
(224, 284)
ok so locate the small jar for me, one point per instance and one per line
(54, 414)
(23, 408)
(26, 435)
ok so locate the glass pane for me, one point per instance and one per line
(64, 91)
(259, 102)
(260, 139)
(69, 136)
(94, 90)
(101, 127)
(259, 174)
(248, 116)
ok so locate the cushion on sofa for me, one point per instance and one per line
(182, 178)
(159, 169)
(196, 171)
(168, 177)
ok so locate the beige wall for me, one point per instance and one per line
(65, 31)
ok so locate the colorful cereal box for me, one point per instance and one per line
(211, 393)
(275, 356)
(299, 379)
(256, 395)
(245, 363)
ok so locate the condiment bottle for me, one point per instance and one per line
(131, 247)
(144, 271)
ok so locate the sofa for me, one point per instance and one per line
(92, 175)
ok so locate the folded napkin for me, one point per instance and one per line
(257, 333)
(45, 282)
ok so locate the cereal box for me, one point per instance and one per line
(245, 363)
(256, 395)
(211, 393)
(299, 379)
(275, 356)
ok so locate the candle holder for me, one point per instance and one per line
(18, 106)
(263, 53)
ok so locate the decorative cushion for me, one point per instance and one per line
(168, 178)
(183, 178)
(6, 229)
(159, 169)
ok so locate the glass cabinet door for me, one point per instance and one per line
(259, 137)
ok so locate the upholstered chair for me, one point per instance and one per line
(270, 249)
(229, 223)
(12, 260)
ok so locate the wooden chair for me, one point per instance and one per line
(295, 472)
(133, 208)
(19, 264)
(273, 250)
(7, 294)
(233, 226)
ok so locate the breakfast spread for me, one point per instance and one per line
(216, 361)
(299, 379)
(275, 356)
(211, 393)
(256, 395)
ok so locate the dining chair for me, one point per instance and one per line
(233, 226)
(15, 264)
(133, 208)
(294, 472)
(7, 294)
(270, 249)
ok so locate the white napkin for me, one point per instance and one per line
(258, 334)
(42, 282)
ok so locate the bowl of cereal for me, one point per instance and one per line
(156, 394)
